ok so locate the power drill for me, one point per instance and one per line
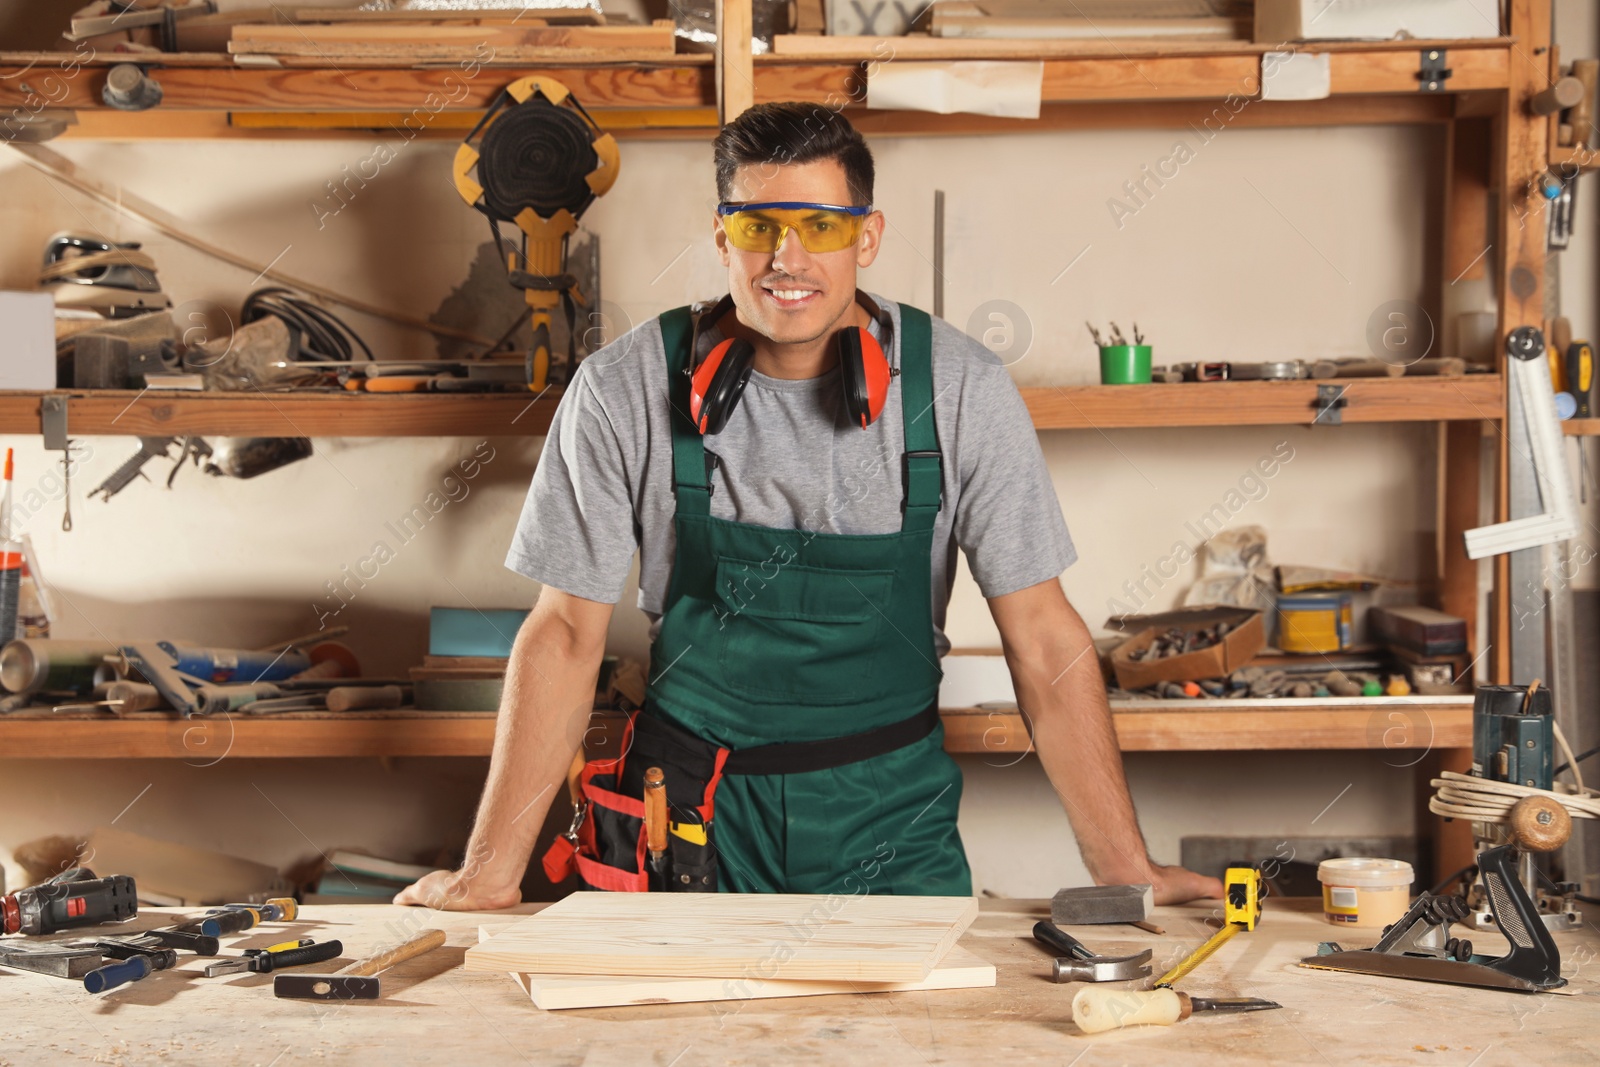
(75, 897)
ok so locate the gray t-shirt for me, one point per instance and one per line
(792, 460)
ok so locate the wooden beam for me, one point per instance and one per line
(1522, 153)
(1261, 403)
(155, 414)
(735, 68)
(328, 414)
(1219, 725)
(810, 47)
(676, 82)
(1142, 726)
(1467, 254)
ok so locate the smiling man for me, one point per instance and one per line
(796, 465)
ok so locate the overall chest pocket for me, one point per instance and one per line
(805, 635)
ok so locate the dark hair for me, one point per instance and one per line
(794, 133)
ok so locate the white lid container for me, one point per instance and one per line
(1366, 873)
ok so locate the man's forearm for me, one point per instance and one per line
(549, 694)
(1060, 689)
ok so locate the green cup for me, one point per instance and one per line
(1125, 365)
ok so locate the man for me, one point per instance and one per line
(796, 497)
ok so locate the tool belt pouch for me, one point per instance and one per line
(609, 852)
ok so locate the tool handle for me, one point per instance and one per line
(426, 941)
(655, 809)
(280, 910)
(1099, 1008)
(1053, 937)
(300, 956)
(1539, 824)
(232, 920)
(114, 974)
(575, 776)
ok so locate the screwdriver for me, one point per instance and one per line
(1099, 1008)
(266, 960)
(232, 918)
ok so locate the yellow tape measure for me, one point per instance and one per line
(1241, 911)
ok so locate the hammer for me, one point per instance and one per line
(1081, 965)
(355, 982)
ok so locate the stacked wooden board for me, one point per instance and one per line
(485, 40)
(605, 949)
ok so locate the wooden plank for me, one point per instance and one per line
(1581, 427)
(551, 15)
(1141, 727)
(203, 742)
(335, 43)
(127, 412)
(793, 936)
(1261, 403)
(121, 411)
(883, 49)
(735, 70)
(333, 37)
(1387, 110)
(1522, 152)
(1371, 723)
(672, 82)
(960, 969)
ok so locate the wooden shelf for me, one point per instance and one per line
(1414, 723)
(1585, 159)
(822, 69)
(1581, 427)
(1478, 396)
(117, 411)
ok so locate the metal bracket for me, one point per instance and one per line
(53, 422)
(1432, 72)
(1329, 403)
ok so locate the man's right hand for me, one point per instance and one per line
(453, 891)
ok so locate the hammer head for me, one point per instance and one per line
(1103, 968)
(326, 986)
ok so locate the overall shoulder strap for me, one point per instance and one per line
(689, 475)
(921, 466)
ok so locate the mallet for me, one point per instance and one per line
(359, 981)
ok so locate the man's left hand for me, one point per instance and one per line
(1176, 885)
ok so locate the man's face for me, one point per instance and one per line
(793, 296)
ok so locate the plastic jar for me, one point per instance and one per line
(1364, 892)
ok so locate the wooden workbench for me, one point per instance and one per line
(432, 1012)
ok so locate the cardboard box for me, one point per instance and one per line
(1244, 639)
(1278, 21)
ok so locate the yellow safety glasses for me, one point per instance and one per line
(763, 227)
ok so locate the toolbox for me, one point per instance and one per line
(1246, 636)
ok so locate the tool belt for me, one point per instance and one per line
(606, 842)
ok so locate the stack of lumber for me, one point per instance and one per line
(595, 950)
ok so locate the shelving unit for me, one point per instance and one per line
(1495, 147)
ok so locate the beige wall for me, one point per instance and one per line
(1268, 244)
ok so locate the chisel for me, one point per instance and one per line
(1097, 1008)
(655, 822)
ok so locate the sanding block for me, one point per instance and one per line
(1091, 905)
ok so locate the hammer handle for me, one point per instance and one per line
(426, 941)
(1053, 937)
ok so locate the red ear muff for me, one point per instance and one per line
(717, 384)
(864, 375)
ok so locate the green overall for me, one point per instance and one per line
(781, 635)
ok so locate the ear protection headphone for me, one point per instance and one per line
(718, 381)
